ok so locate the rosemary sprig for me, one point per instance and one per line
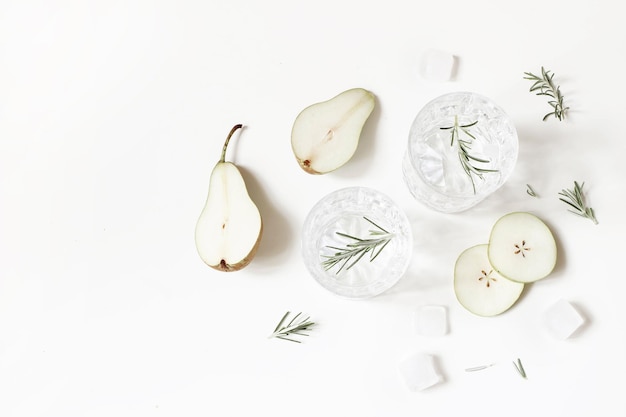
(530, 191)
(575, 199)
(520, 368)
(479, 368)
(379, 238)
(544, 86)
(464, 150)
(296, 326)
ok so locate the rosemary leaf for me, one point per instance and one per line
(349, 255)
(544, 86)
(478, 368)
(575, 199)
(520, 368)
(464, 148)
(296, 326)
(281, 322)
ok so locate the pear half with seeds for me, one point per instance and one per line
(229, 229)
(326, 135)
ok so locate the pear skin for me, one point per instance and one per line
(229, 229)
(326, 135)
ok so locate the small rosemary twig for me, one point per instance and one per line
(545, 87)
(464, 150)
(530, 191)
(520, 368)
(575, 199)
(294, 327)
(358, 248)
(478, 368)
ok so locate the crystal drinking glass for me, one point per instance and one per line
(337, 222)
(462, 147)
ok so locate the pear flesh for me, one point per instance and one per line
(326, 135)
(522, 247)
(479, 287)
(229, 229)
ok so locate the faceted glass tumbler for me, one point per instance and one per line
(362, 213)
(462, 147)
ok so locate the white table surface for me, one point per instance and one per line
(112, 115)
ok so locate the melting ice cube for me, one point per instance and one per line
(437, 65)
(431, 321)
(419, 372)
(562, 319)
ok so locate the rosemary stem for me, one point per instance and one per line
(464, 148)
(346, 257)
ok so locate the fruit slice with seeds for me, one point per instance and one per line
(522, 247)
(479, 287)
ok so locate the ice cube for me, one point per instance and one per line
(419, 371)
(431, 321)
(562, 319)
(437, 65)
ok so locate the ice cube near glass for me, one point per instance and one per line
(437, 65)
(419, 372)
(562, 319)
(431, 321)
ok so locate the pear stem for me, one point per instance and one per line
(223, 158)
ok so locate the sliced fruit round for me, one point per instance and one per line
(479, 287)
(522, 247)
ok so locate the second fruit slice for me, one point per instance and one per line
(479, 287)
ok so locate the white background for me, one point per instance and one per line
(112, 115)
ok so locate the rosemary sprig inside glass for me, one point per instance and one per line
(576, 200)
(296, 326)
(464, 146)
(544, 86)
(346, 257)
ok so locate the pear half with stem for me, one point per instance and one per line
(326, 135)
(229, 229)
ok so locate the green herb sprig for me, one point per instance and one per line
(520, 368)
(544, 86)
(464, 145)
(296, 326)
(530, 191)
(346, 257)
(576, 201)
(479, 368)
